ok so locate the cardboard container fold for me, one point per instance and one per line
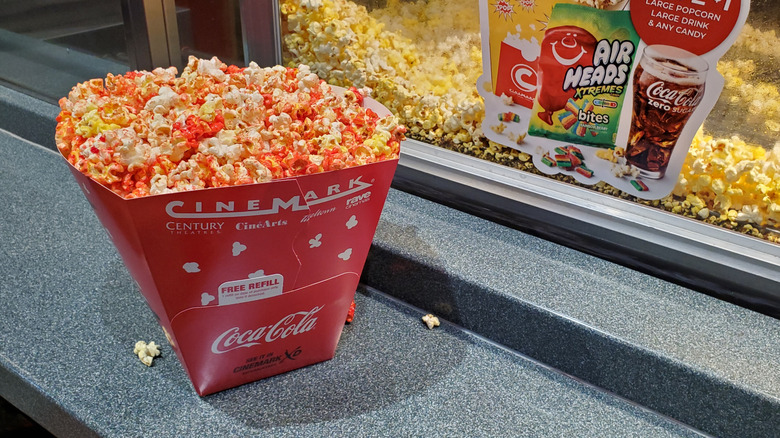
(254, 280)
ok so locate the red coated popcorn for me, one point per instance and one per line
(146, 133)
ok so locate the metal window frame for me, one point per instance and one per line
(151, 34)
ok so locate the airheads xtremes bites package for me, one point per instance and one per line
(584, 72)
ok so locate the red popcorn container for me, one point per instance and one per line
(249, 281)
(517, 77)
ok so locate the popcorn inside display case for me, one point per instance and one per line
(422, 59)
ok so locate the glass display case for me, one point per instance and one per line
(423, 60)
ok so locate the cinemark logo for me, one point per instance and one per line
(260, 207)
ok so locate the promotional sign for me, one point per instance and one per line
(613, 92)
(252, 280)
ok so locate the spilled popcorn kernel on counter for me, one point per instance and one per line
(431, 321)
(147, 133)
(146, 352)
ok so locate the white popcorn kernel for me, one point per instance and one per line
(431, 321)
(146, 352)
(507, 100)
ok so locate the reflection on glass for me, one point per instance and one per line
(422, 60)
(93, 26)
(47, 46)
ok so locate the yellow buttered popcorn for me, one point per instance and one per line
(732, 175)
(401, 61)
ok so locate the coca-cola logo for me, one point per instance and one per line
(685, 97)
(291, 325)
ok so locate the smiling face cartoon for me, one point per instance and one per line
(563, 47)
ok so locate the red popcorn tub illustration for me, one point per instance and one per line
(252, 275)
(517, 71)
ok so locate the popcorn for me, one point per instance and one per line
(146, 352)
(147, 133)
(507, 100)
(499, 129)
(750, 213)
(731, 175)
(431, 321)
(621, 168)
(388, 51)
(599, 4)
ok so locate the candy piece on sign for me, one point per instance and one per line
(588, 106)
(639, 185)
(584, 171)
(572, 107)
(567, 119)
(564, 161)
(508, 117)
(574, 150)
(548, 161)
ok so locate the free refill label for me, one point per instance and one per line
(697, 26)
(250, 289)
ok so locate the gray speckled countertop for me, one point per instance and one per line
(690, 356)
(71, 315)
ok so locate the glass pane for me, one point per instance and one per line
(47, 46)
(422, 60)
(210, 28)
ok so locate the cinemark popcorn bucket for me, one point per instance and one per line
(253, 280)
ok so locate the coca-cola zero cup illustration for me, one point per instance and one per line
(668, 86)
